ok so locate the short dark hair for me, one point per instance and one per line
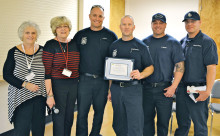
(97, 6)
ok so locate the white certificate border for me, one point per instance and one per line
(109, 60)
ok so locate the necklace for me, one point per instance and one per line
(28, 64)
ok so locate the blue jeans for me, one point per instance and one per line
(91, 91)
(128, 111)
(187, 110)
(155, 102)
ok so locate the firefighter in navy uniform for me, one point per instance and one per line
(158, 90)
(93, 43)
(200, 71)
(126, 96)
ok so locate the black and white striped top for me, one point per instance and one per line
(14, 72)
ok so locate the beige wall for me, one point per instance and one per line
(210, 17)
(142, 11)
(117, 11)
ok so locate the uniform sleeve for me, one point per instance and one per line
(8, 70)
(48, 55)
(76, 40)
(115, 37)
(146, 57)
(177, 53)
(210, 53)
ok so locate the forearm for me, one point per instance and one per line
(12, 80)
(178, 73)
(177, 78)
(48, 86)
(110, 83)
(210, 77)
(147, 72)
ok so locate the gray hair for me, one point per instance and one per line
(26, 24)
(129, 16)
(58, 21)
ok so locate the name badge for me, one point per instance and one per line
(66, 72)
(30, 76)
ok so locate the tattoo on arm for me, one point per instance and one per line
(180, 67)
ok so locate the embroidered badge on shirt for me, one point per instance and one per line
(114, 53)
(84, 40)
(163, 47)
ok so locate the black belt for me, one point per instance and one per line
(157, 84)
(126, 84)
(91, 75)
(194, 84)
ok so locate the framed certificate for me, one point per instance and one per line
(118, 69)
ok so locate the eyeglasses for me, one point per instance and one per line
(63, 26)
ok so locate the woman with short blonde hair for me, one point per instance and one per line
(61, 61)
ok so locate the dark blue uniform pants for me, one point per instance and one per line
(155, 102)
(30, 115)
(91, 91)
(128, 111)
(65, 93)
(187, 110)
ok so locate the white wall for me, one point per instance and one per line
(174, 10)
(14, 12)
(85, 6)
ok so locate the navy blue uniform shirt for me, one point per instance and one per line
(165, 52)
(133, 49)
(200, 52)
(94, 47)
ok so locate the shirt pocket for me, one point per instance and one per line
(135, 54)
(104, 46)
(196, 52)
(164, 53)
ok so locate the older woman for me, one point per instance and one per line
(61, 61)
(24, 71)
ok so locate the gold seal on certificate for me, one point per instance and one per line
(118, 69)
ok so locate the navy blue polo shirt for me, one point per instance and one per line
(200, 52)
(165, 52)
(133, 49)
(93, 47)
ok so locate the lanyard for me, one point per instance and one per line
(28, 64)
(65, 56)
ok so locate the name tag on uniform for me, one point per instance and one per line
(133, 49)
(30, 76)
(66, 72)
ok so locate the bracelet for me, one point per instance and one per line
(25, 84)
(48, 96)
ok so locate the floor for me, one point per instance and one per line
(107, 124)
